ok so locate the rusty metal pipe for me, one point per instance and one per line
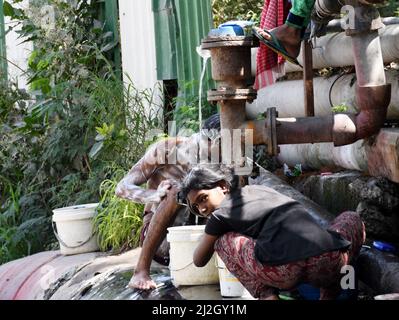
(258, 129)
(232, 116)
(304, 130)
(373, 97)
(373, 102)
(368, 59)
(326, 9)
(342, 128)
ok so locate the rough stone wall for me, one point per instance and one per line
(375, 199)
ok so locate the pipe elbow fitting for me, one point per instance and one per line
(373, 103)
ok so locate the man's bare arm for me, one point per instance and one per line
(129, 187)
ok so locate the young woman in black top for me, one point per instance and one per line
(266, 239)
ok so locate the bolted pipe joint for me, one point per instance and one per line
(361, 19)
(325, 10)
(373, 102)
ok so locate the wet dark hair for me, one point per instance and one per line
(213, 122)
(205, 178)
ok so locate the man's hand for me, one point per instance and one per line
(165, 187)
(161, 192)
(142, 280)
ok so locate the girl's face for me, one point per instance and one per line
(204, 202)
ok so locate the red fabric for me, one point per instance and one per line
(269, 64)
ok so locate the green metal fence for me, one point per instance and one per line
(110, 15)
(165, 38)
(194, 23)
(180, 25)
(3, 53)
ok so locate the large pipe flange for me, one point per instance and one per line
(361, 19)
(248, 95)
(271, 131)
(230, 59)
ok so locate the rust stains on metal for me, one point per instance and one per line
(373, 103)
(308, 79)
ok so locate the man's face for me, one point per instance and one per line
(204, 202)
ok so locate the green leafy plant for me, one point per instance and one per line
(340, 108)
(389, 8)
(78, 127)
(186, 113)
(118, 221)
(225, 10)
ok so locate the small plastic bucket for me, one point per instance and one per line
(183, 242)
(73, 228)
(230, 286)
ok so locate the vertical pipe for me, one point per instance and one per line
(368, 59)
(232, 116)
(308, 79)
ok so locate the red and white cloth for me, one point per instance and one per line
(270, 66)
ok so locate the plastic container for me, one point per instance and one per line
(230, 286)
(232, 29)
(309, 292)
(183, 241)
(384, 246)
(74, 228)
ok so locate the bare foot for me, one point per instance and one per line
(142, 280)
(289, 37)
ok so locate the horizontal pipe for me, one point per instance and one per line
(304, 130)
(335, 50)
(341, 128)
(319, 155)
(377, 157)
(328, 92)
(258, 130)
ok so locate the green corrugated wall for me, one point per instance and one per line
(180, 25)
(165, 20)
(3, 53)
(110, 15)
(194, 22)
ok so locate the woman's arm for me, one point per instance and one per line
(203, 253)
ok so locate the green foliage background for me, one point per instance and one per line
(225, 10)
(78, 127)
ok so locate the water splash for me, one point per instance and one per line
(205, 55)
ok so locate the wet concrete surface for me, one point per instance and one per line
(115, 287)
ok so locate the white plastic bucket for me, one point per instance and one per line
(230, 286)
(75, 231)
(183, 241)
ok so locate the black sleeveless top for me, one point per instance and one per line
(283, 229)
